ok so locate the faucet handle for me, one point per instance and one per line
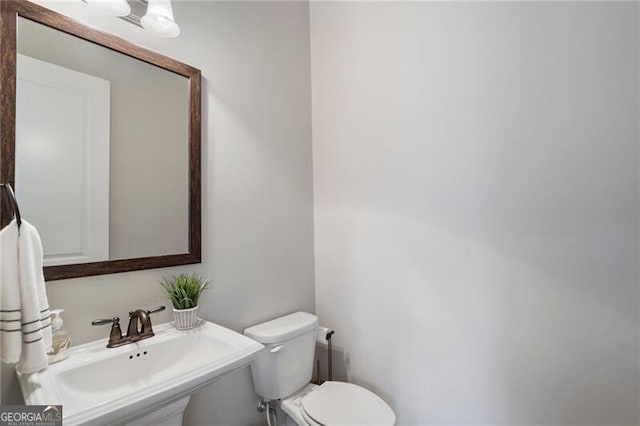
(156, 310)
(115, 335)
(145, 327)
(114, 320)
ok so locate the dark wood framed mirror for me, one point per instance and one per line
(115, 187)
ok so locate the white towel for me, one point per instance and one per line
(10, 315)
(25, 321)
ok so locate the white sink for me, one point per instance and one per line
(118, 385)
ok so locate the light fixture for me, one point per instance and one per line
(112, 7)
(159, 19)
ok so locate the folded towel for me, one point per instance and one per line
(25, 321)
(36, 318)
(10, 315)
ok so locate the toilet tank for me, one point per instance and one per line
(286, 363)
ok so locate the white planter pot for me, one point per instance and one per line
(185, 319)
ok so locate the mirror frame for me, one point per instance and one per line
(9, 12)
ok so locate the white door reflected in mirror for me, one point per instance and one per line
(62, 159)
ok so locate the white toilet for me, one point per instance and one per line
(282, 371)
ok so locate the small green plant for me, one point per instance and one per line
(184, 290)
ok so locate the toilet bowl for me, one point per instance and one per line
(283, 369)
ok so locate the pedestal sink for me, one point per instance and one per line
(147, 382)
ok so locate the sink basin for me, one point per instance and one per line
(109, 386)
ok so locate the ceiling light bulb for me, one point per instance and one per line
(112, 7)
(159, 19)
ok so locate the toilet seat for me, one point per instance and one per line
(308, 420)
(341, 403)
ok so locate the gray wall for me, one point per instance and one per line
(476, 200)
(257, 183)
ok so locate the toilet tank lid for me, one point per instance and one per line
(283, 328)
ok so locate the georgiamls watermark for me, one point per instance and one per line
(30, 415)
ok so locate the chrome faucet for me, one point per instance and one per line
(139, 327)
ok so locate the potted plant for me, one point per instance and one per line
(184, 291)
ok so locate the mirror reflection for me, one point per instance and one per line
(102, 157)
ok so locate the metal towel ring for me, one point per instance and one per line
(10, 197)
